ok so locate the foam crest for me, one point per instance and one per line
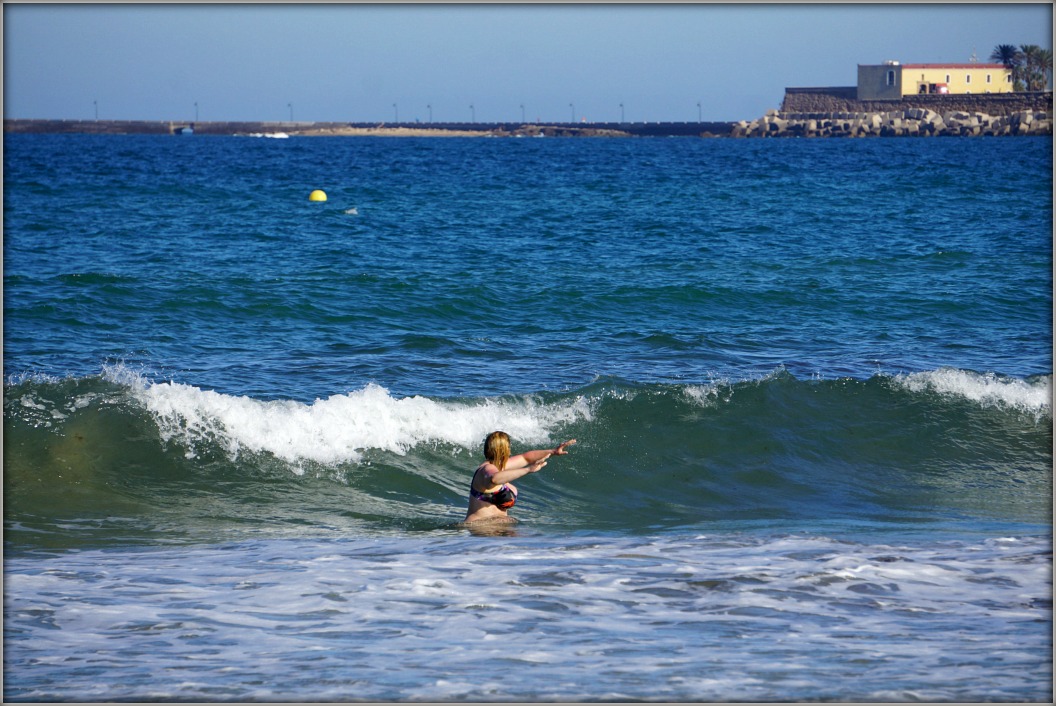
(341, 428)
(1033, 396)
(708, 395)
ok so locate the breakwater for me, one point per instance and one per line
(914, 122)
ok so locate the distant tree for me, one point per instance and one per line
(1013, 59)
(1006, 54)
(1045, 67)
(1037, 66)
(1033, 73)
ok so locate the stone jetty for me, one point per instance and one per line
(913, 122)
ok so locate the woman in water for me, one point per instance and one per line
(491, 494)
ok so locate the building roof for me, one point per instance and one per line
(972, 65)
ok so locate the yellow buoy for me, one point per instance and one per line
(317, 195)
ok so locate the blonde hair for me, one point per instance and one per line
(497, 448)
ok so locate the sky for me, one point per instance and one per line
(463, 62)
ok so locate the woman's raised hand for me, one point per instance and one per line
(538, 465)
(561, 450)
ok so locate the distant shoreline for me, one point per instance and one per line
(337, 129)
(913, 122)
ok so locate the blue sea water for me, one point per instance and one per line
(811, 382)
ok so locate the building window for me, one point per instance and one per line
(968, 78)
(890, 78)
(988, 78)
(947, 78)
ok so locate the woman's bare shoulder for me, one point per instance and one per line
(488, 469)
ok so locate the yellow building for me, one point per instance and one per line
(893, 80)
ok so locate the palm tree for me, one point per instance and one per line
(1041, 61)
(1006, 54)
(1012, 58)
(1037, 66)
(1045, 56)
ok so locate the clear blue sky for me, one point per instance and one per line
(356, 62)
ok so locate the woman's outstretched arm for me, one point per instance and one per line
(510, 474)
(529, 457)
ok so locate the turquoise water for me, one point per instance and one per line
(811, 383)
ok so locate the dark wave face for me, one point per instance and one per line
(121, 458)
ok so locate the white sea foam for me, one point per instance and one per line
(709, 395)
(342, 427)
(670, 618)
(1030, 396)
(988, 389)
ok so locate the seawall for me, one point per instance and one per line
(844, 99)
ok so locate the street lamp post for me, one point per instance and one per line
(472, 113)
(96, 104)
(621, 113)
(196, 111)
(522, 114)
(573, 107)
(396, 113)
(290, 106)
(700, 118)
(430, 107)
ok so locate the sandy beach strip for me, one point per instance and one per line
(389, 132)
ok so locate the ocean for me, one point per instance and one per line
(811, 382)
